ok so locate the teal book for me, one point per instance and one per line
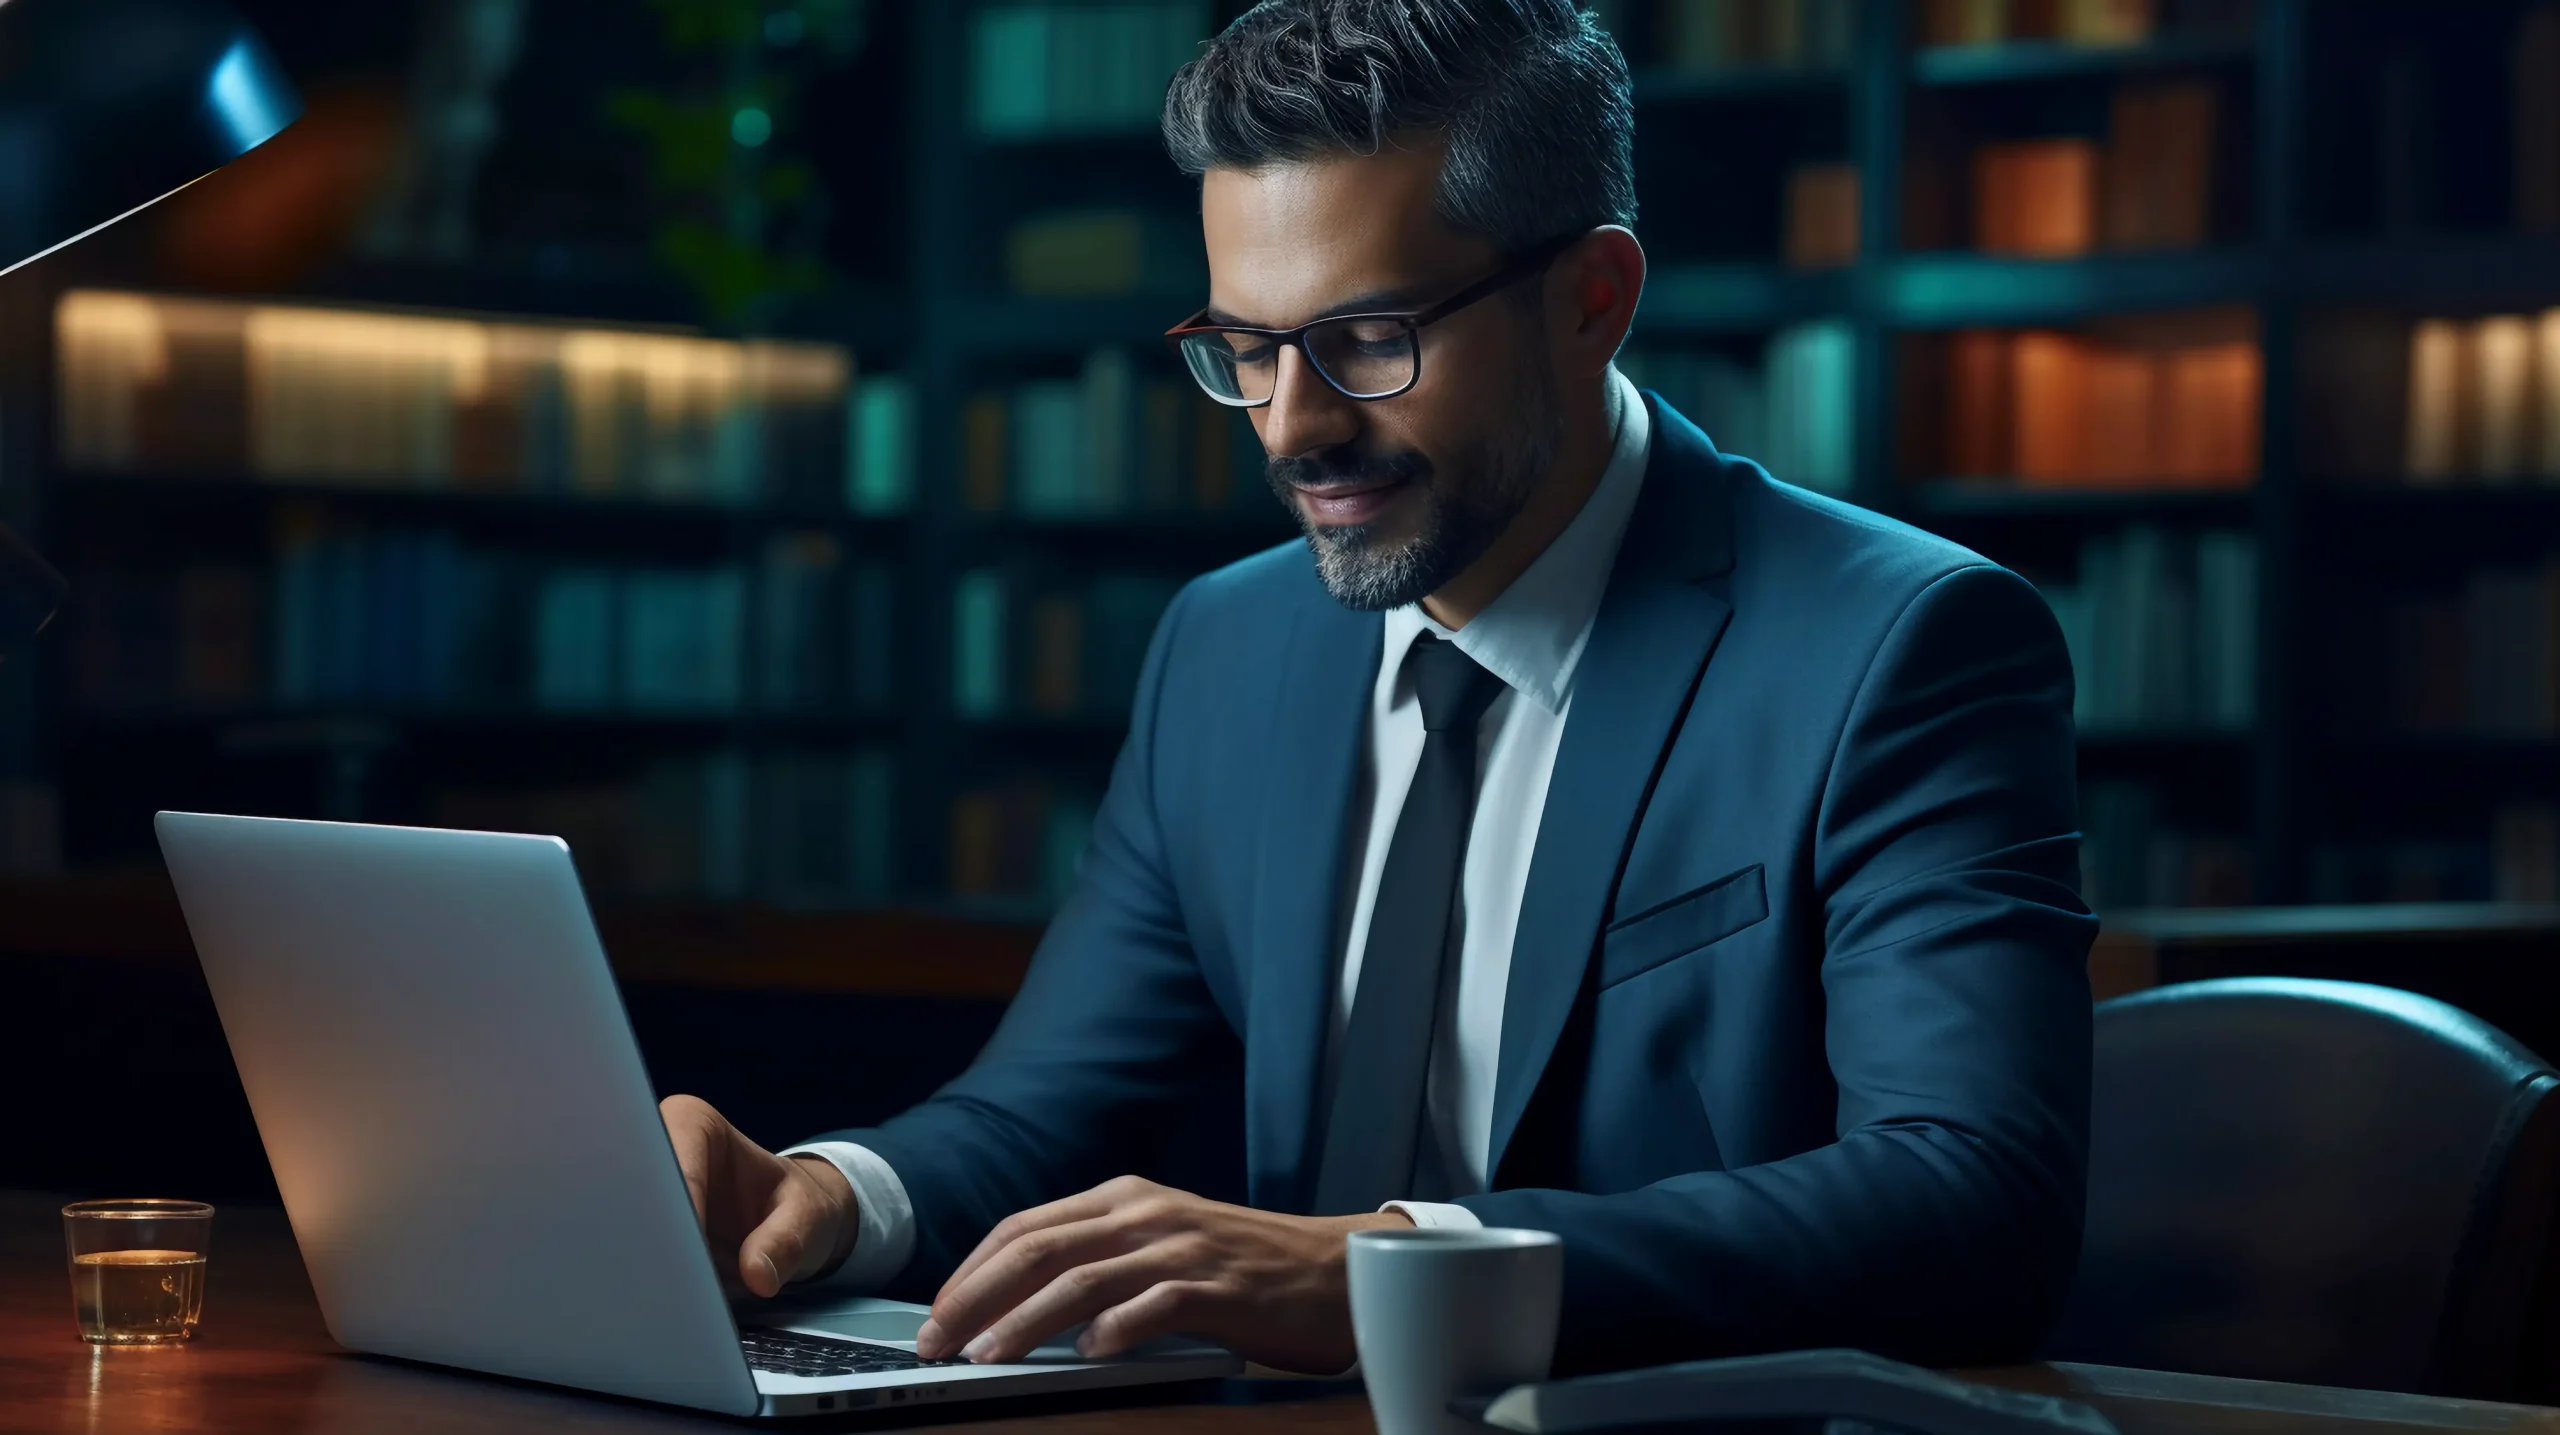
(682, 642)
(2227, 629)
(1812, 432)
(1110, 414)
(573, 649)
(1049, 449)
(2102, 704)
(880, 471)
(978, 648)
(295, 657)
(1010, 70)
(871, 817)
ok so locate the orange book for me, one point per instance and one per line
(2035, 19)
(2048, 385)
(1978, 404)
(1995, 201)
(1964, 22)
(2209, 414)
(488, 443)
(2158, 186)
(2103, 22)
(2118, 385)
(983, 456)
(2036, 198)
(1822, 216)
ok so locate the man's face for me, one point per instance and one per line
(1397, 496)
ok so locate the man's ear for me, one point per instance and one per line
(1603, 280)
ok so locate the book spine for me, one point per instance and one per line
(1108, 412)
(2436, 421)
(979, 656)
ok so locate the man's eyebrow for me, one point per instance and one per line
(1374, 302)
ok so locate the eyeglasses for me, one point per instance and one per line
(1364, 356)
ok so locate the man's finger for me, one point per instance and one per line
(1169, 1307)
(1083, 1206)
(1010, 1275)
(1078, 1294)
(696, 1151)
(772, 1255)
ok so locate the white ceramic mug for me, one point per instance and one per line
(1442, 1313)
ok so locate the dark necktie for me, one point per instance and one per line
(1386, 1051)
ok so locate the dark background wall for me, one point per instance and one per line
(2231, 324)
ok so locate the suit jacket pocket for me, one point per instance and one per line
(1694, 919)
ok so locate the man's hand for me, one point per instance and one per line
(1139, 1260)
(786, 1219)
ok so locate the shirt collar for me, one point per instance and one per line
(1532, 635)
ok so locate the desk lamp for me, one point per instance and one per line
(105, 107)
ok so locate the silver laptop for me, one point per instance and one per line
(468, 1148)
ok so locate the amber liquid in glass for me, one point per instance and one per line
(137, 1297)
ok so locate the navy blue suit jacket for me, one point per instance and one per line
(1796, 1043)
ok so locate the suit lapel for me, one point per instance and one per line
(1656, 628)
(1326, 679)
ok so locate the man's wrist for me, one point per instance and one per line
(840, 1196)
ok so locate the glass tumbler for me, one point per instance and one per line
(137, 1269)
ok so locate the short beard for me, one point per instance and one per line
(1466, 506)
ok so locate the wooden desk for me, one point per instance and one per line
(265, 1364)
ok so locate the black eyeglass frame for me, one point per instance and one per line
(1533, 262)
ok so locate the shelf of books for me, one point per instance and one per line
(2078, 360)
(2276, 443)
(638, 587)
(1082, 477)
(2234, 325)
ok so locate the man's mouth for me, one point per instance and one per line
(1351, 501)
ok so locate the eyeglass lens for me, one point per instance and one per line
(1364, 358)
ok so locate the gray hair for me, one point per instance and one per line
(1529, 96)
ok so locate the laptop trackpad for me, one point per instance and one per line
(855, 1317)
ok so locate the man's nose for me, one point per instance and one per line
(1305, 413)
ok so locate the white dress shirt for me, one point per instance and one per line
(1532, 638)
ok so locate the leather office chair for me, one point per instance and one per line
(2316, 1181)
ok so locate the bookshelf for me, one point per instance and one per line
(1049, 245)
(1044, 580)
(622, 581)
(2302, 787)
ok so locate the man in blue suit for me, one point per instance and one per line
(1582, 830)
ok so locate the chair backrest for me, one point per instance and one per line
(2313, 1181)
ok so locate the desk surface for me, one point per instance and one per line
(265, 1363)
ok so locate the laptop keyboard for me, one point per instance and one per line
(787, 1352)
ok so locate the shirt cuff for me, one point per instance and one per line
(1430, 1215)
(884, 1229)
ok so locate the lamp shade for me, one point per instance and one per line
(107, 105)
